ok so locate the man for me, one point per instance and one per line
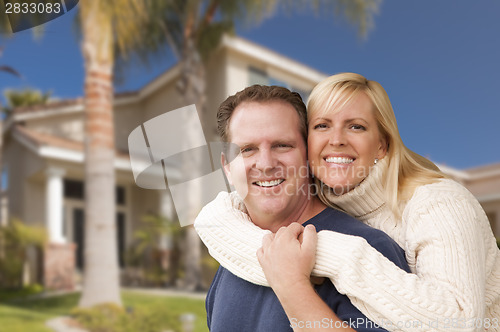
(269, 125)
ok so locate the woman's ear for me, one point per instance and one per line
(383, 147)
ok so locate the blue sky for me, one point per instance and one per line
(438, 60)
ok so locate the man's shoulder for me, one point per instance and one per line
(335, 220)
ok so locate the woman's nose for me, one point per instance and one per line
(337, 138)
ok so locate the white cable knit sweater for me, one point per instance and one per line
(449, 245)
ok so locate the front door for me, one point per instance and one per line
(78, 217)
(79, 235)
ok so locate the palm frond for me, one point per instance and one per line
(10, 70)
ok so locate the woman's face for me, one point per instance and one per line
(344, 144)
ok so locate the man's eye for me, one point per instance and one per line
(246, 150)
(283, 146)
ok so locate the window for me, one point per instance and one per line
(5, 179)
(75, 189)
(120, 195)
(258, 76)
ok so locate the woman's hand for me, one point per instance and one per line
(288, 257)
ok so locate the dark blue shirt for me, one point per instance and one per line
(234, 304)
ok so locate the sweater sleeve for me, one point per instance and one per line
(231, 238)
(445, 294)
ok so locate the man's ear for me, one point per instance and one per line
(225, 166)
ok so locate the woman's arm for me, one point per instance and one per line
(231, 238)
(287, 263)
(445, 294)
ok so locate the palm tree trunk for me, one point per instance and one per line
(101, 273)
(192, 87)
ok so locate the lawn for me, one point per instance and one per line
(24, 316)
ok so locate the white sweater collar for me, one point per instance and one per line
(367, 197)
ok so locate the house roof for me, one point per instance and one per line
(271, 57)
(66, 103)
(55, 147)
(55, 104)
(39, 139)
(485, 171)
(234, 43)
(237, 44)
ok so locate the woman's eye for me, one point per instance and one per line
(320, 126)
(357, 127)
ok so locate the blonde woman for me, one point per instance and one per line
(362, 167)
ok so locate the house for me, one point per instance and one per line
(484, 183)
(43, 151)
(43, 146)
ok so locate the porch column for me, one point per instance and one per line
(165, 242)
(59, 256)
(166, 210)
(54, 205)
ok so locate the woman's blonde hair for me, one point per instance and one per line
(406, 169)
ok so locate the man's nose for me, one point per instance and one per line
(266, 160)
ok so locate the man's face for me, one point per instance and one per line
(270, 172)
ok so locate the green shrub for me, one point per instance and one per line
(11, 294)
(145, 255)
(498, 243)
(113, 318)
(15, 239)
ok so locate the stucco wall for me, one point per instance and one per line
(70, 125)
(126, 118)
(484, 186)
(216, 87)
(34, 212)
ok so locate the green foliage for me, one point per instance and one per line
(498, 243)
(25, 97)
(112, 318)
(31, 315)
(145, 254)
(15, 239)
(17, 294)
(158, 267)
(175, 306)
(172, 26)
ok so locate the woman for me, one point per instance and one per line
(449, 245)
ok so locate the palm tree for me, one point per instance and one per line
(192, 29)
(3, 111)
(24, 97)
(104, 25)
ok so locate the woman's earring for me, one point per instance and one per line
(375, 161)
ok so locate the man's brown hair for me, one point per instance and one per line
(260, 93)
